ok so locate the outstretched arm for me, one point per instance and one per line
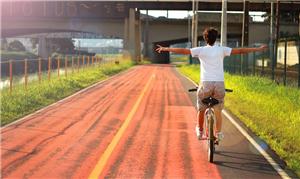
(248, 50)
(175, 50)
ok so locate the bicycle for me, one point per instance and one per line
(209, 124)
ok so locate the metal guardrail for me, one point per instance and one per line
(43, 68)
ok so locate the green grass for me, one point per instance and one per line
(269, 110)
(12, 55)
(20, 102)
(179, 58)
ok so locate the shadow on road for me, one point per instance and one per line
(243, 161)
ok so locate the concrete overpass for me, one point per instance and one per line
(122, 20)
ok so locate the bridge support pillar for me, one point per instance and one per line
(146, 50)
(42, 48)
(138, 47)
(126, 38)
(132, 33)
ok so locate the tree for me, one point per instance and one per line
(16, 46)
(34, 42)
(63, 45)
(4, 44)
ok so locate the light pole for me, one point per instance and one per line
(195, 24)
(224, 23)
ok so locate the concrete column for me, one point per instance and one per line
(42, 48)
(138, 37)
(224, 23)
(245, 31)
(146, 36)
(126, 39)
(132, 34)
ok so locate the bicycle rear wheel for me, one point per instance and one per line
(211, 139)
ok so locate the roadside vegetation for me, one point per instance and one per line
(22, 102)
(16, 55)
(269, 110)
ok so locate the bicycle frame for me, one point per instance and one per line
(209, 117)
(209, 120)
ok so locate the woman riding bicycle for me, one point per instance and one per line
(211, 59)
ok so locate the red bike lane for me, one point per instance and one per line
(139, 124)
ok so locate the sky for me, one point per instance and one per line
(99, 42)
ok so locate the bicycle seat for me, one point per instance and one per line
(210, 101)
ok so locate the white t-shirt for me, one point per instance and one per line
(211, 60)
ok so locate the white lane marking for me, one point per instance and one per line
(276, 167)
(279, 170)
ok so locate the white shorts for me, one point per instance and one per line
(215, 89)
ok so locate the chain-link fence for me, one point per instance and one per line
(284, 69)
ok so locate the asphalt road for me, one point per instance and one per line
(139, 124)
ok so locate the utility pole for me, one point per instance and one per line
(195, 24)
(224, 23)
(189, 37)
(299, 23)
(271, 43)
(189, 31)
(274, 62)
(245, 36)
(194, 33)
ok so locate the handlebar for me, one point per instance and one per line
(229, 90)
(195, 89)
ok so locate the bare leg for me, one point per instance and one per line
(218, 114)
(201, 119)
